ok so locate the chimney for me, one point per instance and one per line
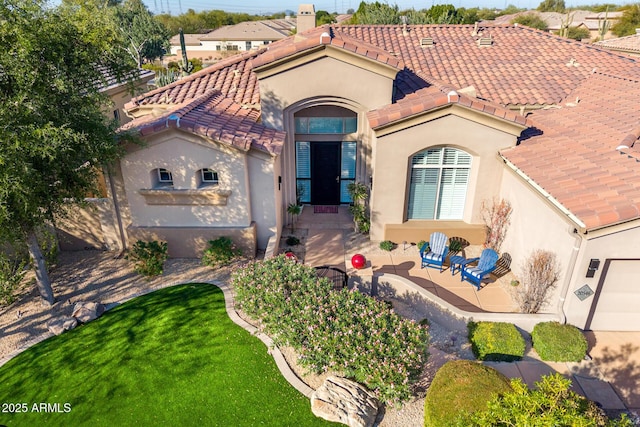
(306, 18)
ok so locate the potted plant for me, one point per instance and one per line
(294, 210)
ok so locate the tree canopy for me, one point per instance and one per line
(531, 20)
(54, 134)
(629, 21)
(552, 6)
(147, 39)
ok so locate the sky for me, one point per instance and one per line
(264, 7)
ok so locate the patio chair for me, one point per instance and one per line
(434, 252)
(474, 274)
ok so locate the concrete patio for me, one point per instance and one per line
(610, 376)
(330, 240)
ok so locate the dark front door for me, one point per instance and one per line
(325, 173)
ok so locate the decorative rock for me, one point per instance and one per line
(344, 401)
(61, 324)
(86, 311)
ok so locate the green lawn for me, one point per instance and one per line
(169, 358)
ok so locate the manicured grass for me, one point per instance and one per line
(169, 358)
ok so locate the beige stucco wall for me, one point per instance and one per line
(190, 242)
(322, 77)
(122, 94)
(247, 215)
(393, 152)
(184, 155)
(536, 224)
(88, 227)
(263, 171)
(361, 86)
(623, 242)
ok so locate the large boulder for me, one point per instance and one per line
(344, 401)
(60, 324)
(86, 311)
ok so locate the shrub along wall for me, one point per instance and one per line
(559, 343)
(496, 341)
(344, 331)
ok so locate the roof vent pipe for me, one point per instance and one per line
(325, 38)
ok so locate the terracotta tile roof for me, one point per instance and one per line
(313, 38)
(522, 66)
(629, 44)
(575, 158)
(570, 151)
(434, 97)
(216, 117)
(233, 77)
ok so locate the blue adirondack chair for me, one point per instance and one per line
(434, 252)
(474, 274)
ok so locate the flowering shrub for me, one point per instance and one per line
(344, 331)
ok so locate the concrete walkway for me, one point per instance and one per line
(611, 376)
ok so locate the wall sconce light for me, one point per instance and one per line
(593, 267)
(370, 181)
(279, 182)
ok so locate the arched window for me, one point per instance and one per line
(207, 177)
(161, 178)
(438, 187)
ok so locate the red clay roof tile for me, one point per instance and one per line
(572, 156)
(218, 118)
(606, 106)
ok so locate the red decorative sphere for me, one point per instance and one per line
(291, 256)
(358, 261)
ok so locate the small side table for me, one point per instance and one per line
(456, 263)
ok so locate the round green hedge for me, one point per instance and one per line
(461, 387)
(496, 341)
(556, 342)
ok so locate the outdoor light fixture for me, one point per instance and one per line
(279, 181)
(593, 267)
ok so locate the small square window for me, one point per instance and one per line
(164, 176)
(209, 176)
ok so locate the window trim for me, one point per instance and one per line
(441, 166)
(204, 182)
(159, 181)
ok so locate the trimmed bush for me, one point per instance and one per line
(459, 388)
(387, 245)
(496, 341)
(343, 331)
(220, 252)
(148, 257)
(559, 343)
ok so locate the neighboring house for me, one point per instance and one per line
(629, 45)
(235, 38)
(435, 120)
(594, 22)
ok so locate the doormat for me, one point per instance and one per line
(325, 209)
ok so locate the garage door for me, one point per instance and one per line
(617, 307)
